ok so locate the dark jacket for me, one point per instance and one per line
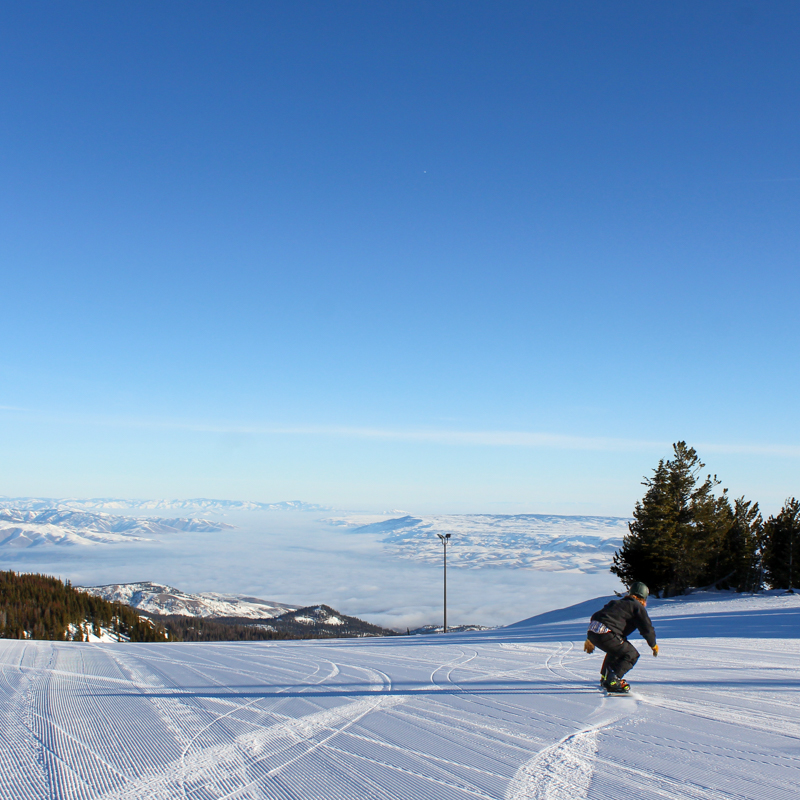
(624, 616)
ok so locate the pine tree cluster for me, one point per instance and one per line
(685, 535)
(231, 629)
(41, 607)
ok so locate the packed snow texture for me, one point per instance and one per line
(156, 598)
(500, 715)
(26, 527)
(523, 541)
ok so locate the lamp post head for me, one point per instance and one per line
(443, 537)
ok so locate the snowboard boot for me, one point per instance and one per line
(617, 685)
(611, 683)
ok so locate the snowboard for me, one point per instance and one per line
(631, 693)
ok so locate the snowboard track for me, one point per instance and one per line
(456, 717)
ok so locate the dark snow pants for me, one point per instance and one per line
(621, 655)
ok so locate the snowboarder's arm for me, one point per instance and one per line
(646, 627)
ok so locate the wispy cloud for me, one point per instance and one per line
(497, 438)
(784, 450)
(530, 439)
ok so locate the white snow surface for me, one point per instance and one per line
(156, 598)
(522, 541)
(26, 527)
(507, 714)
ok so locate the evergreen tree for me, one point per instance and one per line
(737, 563)
(643, 555)
(781, 539)
(678, 527)
(42, 607)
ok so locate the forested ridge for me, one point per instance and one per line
(685, 534)
(43, 607)
(36, 606)
(229, 629)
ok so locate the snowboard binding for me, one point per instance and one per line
(614, 685)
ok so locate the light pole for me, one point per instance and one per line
(445, 537)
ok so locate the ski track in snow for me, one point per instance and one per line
(499, 715)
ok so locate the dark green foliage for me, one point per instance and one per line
(737, 564)
(782, 546)
(682, 533)
(234, 629)
(286, 626)
(41, 607)
(323, 628)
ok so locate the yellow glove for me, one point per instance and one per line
(655, 649)
(588, 647)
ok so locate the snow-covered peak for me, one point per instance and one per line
(156, 598)
(316, 615)
(425, 629)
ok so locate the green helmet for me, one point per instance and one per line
(639, 589)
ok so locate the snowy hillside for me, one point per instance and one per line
(156, 598)
(524, 541)
(507, 714)
(200, 504)
(24, 527)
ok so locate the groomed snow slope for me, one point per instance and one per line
(512, 713)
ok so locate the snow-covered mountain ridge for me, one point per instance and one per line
(200, 504)
(155, 598)
(522, 541)
(26, 527)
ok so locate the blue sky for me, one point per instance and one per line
(450, 256)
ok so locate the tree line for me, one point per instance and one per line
(235, 629)
(42, 607)
(686, 534)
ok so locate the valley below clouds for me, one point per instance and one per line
(386, 568)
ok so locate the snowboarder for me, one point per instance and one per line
(609, 628)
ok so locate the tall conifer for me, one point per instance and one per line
(737, 563)
(782, 547)
(678, 527)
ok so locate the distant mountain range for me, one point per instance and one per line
(118, 504)
(28, 527)
(522, 541)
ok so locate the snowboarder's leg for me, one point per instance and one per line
(605, 669)
(621, 655)
(607, 643)
(624, 659)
